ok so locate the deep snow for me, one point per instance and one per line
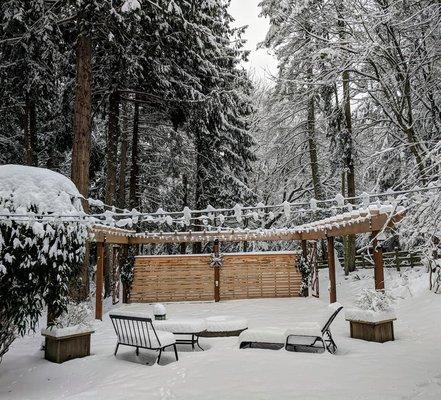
(408, 368)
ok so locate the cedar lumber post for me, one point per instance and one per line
(378, 263)
(331, 265)
(305, 249)
(216, 273)
(99, 280)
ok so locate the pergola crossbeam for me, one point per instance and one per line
(372, 220)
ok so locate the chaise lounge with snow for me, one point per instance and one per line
(307, 336)
(139, 332)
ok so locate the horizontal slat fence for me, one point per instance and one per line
(250, 276)
(191, 278)
(393, 259)
(172, 278)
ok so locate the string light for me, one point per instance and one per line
(237, 212)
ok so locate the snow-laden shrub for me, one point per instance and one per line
(39, 256)
(306, 273)
(76, 314)
(127, 272)
(377, 301)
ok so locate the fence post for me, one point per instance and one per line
(99, 280)
(397, 258)
(216, 252)
(378, 261)
(331, 269)
(411, 258)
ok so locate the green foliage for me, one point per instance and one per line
(37, 261)
(306, 272)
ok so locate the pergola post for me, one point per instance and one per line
(378, 262)
(304, 249)
(216, 252)
(331, 267)
(99, 280)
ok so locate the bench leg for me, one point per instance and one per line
(116, 349)
(137, 351)
(176, 352)
(159, 356)
(197, 343)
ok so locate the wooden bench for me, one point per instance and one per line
(139, 332)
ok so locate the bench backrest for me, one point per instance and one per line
(135, 331)
(331, 319)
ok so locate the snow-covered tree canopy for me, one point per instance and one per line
(38, 256)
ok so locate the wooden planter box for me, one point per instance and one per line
(380, 331)
(59, 349)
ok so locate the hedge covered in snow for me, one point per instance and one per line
(39, 256)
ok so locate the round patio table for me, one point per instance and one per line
(192, 327)
(224, 326)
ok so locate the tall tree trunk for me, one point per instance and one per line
(82, 137)
(30, 132)
(197, 247)
(350, 249)
(112, 148)
(350, 170)
(313, 158)
(121, 198)
(134, 169)
(183, 246)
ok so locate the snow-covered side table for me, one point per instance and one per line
(370, 325)
(63, 344)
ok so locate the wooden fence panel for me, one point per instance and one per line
(191, 278)
(172, 278)
(259, 275)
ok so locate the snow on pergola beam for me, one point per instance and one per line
(372, 219)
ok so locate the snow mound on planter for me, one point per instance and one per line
(70, 330)
(356, 314)
(49, 191)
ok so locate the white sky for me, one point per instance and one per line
(246, 12)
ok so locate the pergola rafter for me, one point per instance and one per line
(371, 220)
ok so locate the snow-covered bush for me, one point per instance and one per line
(306, 272)
(39, 255)
(373, 300)
(127, 272)
(76, 314)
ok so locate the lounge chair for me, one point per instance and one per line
(139, 332)
(308, 336)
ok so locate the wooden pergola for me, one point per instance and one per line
(372, 220)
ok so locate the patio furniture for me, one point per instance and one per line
(192, 327)
(224, 326)
(303, 337)
(139, 332)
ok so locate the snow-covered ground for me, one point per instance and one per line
(409, 368)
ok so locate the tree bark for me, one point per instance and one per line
(134, 169)
(350, 170)
(121, 198)
(30, 132)
(347, 145)
(183, 246)
(197, 247)
(313, 158)
(82, 137)
(112, 148)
